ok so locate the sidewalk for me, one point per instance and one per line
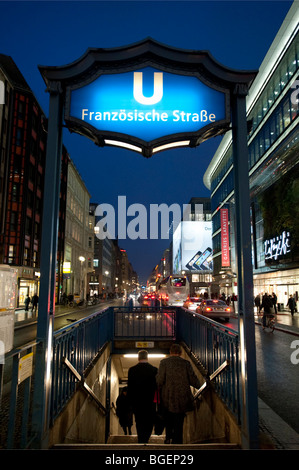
(21, 316)
(277, 433)
(284, 321)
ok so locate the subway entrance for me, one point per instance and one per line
(91, 97)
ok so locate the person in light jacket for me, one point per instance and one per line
(174, 378)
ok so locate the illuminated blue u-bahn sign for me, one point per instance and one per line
(146, 97)
(148, 104)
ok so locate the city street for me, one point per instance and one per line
(277, 375)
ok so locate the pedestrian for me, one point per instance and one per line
(257, 302)
(267, 306)
(234, 302)
(124, 411)
(292, 304)
(274, 301)
(34, 302)
(27, 302)
(174, 378)
(141, 391)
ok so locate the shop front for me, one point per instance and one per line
(282, 283)
(28, 283)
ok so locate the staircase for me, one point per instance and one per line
(128, 443)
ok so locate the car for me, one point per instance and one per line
(214, 308)
(149, 299)
(163, 298)
(191, 303)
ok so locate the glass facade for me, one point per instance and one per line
(272, 151)
(281, 79)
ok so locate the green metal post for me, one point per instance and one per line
(248, 380)
(44, 352)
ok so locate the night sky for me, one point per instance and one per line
(237, 33)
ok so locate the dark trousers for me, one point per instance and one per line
(174, 427)
(144, 424)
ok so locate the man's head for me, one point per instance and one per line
(142, 355)
(175, 350)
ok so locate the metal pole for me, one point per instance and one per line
(44, 352)
(248, 382)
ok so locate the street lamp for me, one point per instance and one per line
(82, 259)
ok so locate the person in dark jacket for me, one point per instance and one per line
(34, 302)
(292, 304)
(257, 303)
(267, 307)
(141, 391)
(124, 411)
(27, 302)
(175, 376)
(274, 302)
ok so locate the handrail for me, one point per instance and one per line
(20, 349)
(80, 343)
(212, 322)
(210, 378)
(144, 322)
(84, 385)
(211, 344)
(17, 415)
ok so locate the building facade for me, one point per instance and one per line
(23, 141)
(192, 245)
(79, 236)
(273, 148)
(113, 273)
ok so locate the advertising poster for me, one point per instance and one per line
(225, 260)
(177, 252)
(192, 247)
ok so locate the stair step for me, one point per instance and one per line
(126, 439)
(123, 442)
(149, 446)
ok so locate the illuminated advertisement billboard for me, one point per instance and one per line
(192, 247)
(147, 104)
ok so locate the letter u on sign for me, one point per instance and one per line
(138, 88)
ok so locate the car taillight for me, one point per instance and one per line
(227, 309)
(208, 309)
